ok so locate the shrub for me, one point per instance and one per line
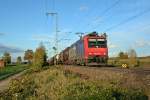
(57, 84)
(20, 89)
(91, 91)
(39, 58)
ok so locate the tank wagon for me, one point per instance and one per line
(91, 49)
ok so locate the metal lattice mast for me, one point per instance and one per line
(56, 31)
(56, 35)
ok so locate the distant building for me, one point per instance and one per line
(2, 63)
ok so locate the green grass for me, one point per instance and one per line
(11, 70)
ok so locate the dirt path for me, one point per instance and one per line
(5, 83)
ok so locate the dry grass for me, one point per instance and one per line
(67, 83)
(132, 62)
(124, 78)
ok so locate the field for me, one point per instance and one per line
(138, 62)
(137, 78)
(11, 70)
(145, 61)
(78, 83)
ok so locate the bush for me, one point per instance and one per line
(57, 84)
(20, 89)
(39, 58)
(90, 91)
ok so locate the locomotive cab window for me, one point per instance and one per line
(97, 43)
(101, 43)
(92, 43)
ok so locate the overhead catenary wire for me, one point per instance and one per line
(101, 13)
(53, 5)
(128, 20)
(45, 4)
(50, 7)
(112, 6)
(105, 12)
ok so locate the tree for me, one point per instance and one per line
(40, 56)
(133, 58)
(123, 55)
(28, 56)
(132, 53)
(7, 58)
(19, 60)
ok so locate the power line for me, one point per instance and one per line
(105, 11)
(128, 20)
(109, 8)
(53, 5)
(45, 4)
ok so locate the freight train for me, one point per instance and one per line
(91, 49)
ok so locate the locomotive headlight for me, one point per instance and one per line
(104, 53)
(90, 53)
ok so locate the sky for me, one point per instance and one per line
(24, 24)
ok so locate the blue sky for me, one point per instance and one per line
(24, 24)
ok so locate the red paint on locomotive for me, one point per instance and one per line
(89, 50)
(96, 51)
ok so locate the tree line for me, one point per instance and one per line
(7, 58)
(125, 55)
(37, 59)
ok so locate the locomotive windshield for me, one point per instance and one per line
(97, 43)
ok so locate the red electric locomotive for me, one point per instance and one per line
(91, 49)
(96, 51)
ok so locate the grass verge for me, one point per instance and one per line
(11, 70)
(59, 84)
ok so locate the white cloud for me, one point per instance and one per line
(51, 37)
(142, 43)
(83, 8)
(141, 28)
(43, 37)
(113, 54)
(111, 45)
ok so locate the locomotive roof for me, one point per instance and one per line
(95, 34)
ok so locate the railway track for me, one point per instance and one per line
(132, 78)
(142, 71)
(138, 70)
